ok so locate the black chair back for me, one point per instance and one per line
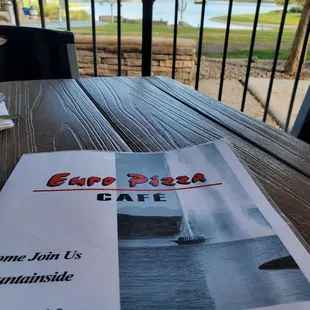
(34, 53)
(301, 128)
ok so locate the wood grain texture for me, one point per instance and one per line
(149, 119)
(61, 117)
(283, 146)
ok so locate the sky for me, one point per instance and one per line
(148, 165)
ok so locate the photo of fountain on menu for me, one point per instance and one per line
(206, 245)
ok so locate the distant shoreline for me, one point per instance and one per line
(251, 24)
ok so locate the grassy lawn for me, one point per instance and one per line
(264, 44)
(211, 35)
(265, 18)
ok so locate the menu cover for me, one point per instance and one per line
(182, 229)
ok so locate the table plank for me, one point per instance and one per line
(283, 146)
(61, 117)
(148, 119)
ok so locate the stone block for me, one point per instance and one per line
(178, 63)
(125, 68)
(160, 57)
(133, 62)
(88, 71)
(125, 49)
(131, 49)
(85, 60)
(183, 75)
(134, 73)
(103, 66)
(84, 47)
(102, 72)
(82, 53)
(164, 73)
(162, 50)
(85, 65)
(112, 49)
(155, 62)
(185, 69)
(165, 63)
(186, 51)
(111, 61)
(132, 55)
(102, 54)
(183, 57)
(168, 50)
(161, 69)
(103, 47)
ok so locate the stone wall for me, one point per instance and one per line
(132, 57)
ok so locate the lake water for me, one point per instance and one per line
(156, 274)
(164, 9)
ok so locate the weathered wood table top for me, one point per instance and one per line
(152, 114)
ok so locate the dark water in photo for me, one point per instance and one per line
(207, 276)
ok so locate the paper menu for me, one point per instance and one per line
(5, 124)
(58, 249)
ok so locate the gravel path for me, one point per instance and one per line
(236, 69)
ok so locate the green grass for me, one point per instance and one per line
(211, 35)
(261, 54)
(265, 18)
(238, 39)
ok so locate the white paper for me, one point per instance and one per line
(5, 124)
(194, 232)
(58, 222)
(243, 233)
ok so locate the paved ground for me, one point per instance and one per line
(281, 95)
(259, 80)
(232, 95)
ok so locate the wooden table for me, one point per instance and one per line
(152, 114)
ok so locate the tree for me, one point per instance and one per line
(295, 53)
